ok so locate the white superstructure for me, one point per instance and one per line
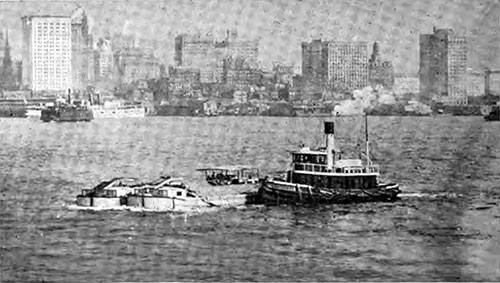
(114, 110)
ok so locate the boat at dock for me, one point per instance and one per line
(66, 113)
(321, 176)
(34, 111)
(118, 111)
(493, 115)
(230, 175)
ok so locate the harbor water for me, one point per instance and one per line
(446, 227)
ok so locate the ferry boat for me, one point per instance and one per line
(230, 175)
(34, 111)
(321, 176)
(118, 111)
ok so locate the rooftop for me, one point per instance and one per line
(45, 16)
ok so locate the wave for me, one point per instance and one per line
(429, 195)
(141, 209)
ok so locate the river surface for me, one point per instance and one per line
(446, 227)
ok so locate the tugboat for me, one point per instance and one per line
(321, 176)
(67, 112)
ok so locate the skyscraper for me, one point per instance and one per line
(443, 67)
(7, 78)
(202, 52)
(46, 53)
(197, 52)
(81, 50)
(104, 60)
(347, 66)
(380, 72)
(314, 62)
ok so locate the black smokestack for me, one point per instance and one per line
(329, 128)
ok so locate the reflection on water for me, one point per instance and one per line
(443, 228)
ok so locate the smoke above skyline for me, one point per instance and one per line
(282, 25)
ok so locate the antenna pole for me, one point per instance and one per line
(367, 141)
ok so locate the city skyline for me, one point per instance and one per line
(282, 26)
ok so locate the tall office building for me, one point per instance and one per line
(81, 50)
(347, 66)
(203, 52)
(46, 53)
(443, 67)
(197, 52)
(380, 72)
(314, 62)
(134, 64)
(104, 60)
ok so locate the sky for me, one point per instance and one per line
(281, 25)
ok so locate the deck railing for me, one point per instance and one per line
(345, 170)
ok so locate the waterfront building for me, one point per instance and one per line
(283, 74)
(406, 85)
(47, 53)
(238, 73)
(347, 66)
(380, 72)
(443, 67)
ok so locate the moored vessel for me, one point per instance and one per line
(494, 114)
(66, 113)
(118, 111)
(34, 111)
(322, 176)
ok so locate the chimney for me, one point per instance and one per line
(69, 95)
(330, 143)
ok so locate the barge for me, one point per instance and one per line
(230, 175)
(164, 194)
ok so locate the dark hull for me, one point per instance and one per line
(67, 115)
(493, 116)
(222, 182)
(272, 192)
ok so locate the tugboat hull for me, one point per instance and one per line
(283, 192)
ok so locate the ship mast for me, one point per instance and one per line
(368, 162)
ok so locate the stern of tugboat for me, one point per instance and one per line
(390, 191)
